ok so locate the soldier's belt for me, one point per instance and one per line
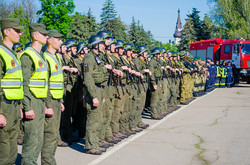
(99, 85)
(14, 102)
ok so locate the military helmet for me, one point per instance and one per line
(141, 49)
(94, 40)
(112, 41)
(70, 42)
(80, 47)
(119, 44)
(135, 49)
(128, 46)
(156, 50)
(163, 50)
(105, 34)
(27, 45)
(175, 54)
(17, 47)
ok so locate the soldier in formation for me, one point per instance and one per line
(99, 90)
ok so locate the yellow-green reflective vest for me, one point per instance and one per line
(218, 71)
(38, 83)
(223, 72)
(12, 81)
(56, 76)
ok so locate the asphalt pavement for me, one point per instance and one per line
(213, 129)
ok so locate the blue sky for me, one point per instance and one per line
(158, 16)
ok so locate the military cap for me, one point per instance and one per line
(195, 58)
(10, 23)
(54, 33)
(37, 27)
(198, 57)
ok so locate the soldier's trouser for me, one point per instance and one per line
(155, 111)
(20, 130)
(94, 120)
(184, 88)
(106, 112)
(8, 134)
(229, 80)
(196, 83)
(66, 124)
(140, 103)
(177, 85)
(118, 108)
(191, 89)
(161, 94)
(33, 133)
(80, 112)
(173, 97)
(124, 120)
(51, 134)
(110, 104)
(190, 82)
(132, 116)
(222, 82)
(217, 82)
(166, 93)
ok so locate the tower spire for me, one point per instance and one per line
(178, 29)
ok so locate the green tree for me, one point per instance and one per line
(232, 18)
(55, 14)
(118, 29)
(208, 28)
(138, 35)
(24, 21)
(83, 26)
(197, 24)
(188, 35)
(133, 32)
(171, 47)
(107, 15)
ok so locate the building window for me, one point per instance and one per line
(227, 49)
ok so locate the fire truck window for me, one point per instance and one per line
(227, 49)
(245, 48)
(236, 48)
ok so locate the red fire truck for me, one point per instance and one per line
(236, 51)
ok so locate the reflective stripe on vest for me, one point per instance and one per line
(56, 76)
(223, 72)
(38, 83)
(12, 81)
(218, 72)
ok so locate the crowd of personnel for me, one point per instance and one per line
(65, 91)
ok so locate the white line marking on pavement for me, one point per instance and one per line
(132, 138)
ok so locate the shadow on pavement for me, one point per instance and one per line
(79, 146)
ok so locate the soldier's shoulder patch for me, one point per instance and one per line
(86, 67)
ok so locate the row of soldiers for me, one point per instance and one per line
(100, 88)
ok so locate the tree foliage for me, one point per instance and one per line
(171, 47)
(108, 14)
(208, 28)
(138, 35)
(83, 26)
(188, 35)
(118, 29)
(232, 18)
(24, 21)
(197, 25)
(55, 14)
(24, 10)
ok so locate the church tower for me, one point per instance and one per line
(178, 29)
